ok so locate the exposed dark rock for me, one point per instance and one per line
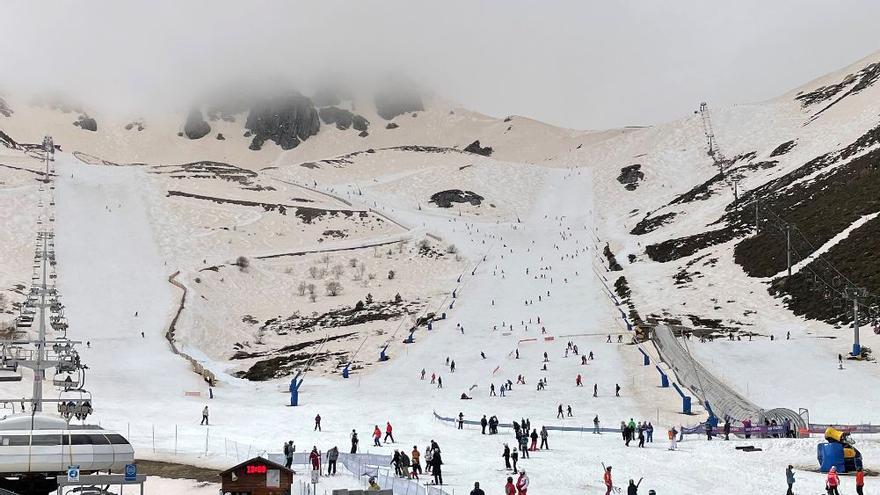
(855, 82)
(650, 224)
(220, 137)
(630, 176)
(5, 110)
(444, 199)
(398, 99)
(86, 123)
(783, 148)
(613, 265)
(363, 134)
(339, 116)
(7, 141)
(475, 148)
(392, 125)
(360, 123)
(135, 124)
(285, 120)
(196, 127)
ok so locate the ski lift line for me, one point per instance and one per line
(794, 228)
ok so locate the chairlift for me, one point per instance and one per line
(79, 408)
(9, 372)
(66, 381)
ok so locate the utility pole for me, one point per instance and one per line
(788, 248)
(855, 293)
(757, 224)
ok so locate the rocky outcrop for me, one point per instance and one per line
(4, 108)
(630, 176)
(398, 100)
(391, 125)
(196, 127)
(86, 123)
(475, 148)
(285, 120)
(444, 199)
(135, 124)
(343, 118)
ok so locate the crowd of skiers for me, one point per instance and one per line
(643, 431)
(411, 467)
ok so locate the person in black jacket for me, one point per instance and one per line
(436, 470)
(354, 442)
(477, 490)
(483, 423)
(506, 456)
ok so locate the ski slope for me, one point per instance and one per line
(109, 268)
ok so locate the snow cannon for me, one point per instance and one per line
(838, 451)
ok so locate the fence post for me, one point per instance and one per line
(175, 439)
(207, 430)
(154, 439)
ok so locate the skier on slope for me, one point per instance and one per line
(388, 434)
(354, 442)
(506, 456)
(606, 478)
(377, 437)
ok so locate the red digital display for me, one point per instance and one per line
(255, 469)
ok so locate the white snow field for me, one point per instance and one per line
(110, 268)
(528, 251)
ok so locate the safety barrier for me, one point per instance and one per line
(716, 396)
(580, 429)
(369, 466)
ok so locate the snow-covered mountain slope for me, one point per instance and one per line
(146, 214)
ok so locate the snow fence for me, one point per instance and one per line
(724, 401)
(365, 466)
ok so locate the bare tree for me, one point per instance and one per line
(325, 259)
(311, 289)
(313, 297)
(359, 271)
(313, 271)
(338, 270)
(333, 288)
(301, 288)
(353, 262)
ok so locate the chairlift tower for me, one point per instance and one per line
(855, 294)
(711, 142)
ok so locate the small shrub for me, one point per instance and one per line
(353, 262)
(333, 288)
(451, 249)
(397, 298)
(243, 263)
(369, 298)
(391, 274)
(359, 306)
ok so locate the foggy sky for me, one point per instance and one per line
(584, 64)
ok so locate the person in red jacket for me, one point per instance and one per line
(860, 481)
(609, 484)
(377, 437)
(509, 488)
(522, 483)
(832, 481)
(578, 382)
(315, 459)
(388, 432)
